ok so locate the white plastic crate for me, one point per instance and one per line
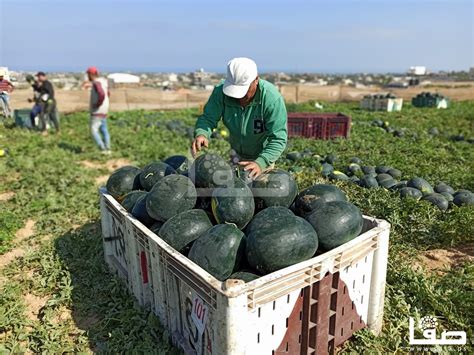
(309, 307)
(381, 104)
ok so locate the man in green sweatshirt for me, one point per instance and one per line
(254, 113)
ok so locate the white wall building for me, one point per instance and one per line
(123, 78)
(418, 70)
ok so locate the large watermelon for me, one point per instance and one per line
(421, 184)
(140, 212)
(275, 243)
(313, 196)
(181, 230)
(173, 194)
(154, 172)
(463, 198)
(210, 170)
(438, 200)
(178, 162)
(131, 198)
(233, 204)
(336, 223)
(443, 187)
(219, 251)
(410, 192)
(368, 181)
(274, 188)
(122, 181)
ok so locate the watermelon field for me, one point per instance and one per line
(58, 296)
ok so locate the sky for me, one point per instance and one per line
(338, 36)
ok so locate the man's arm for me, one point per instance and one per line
(48, 88)
(212, 114)
(97, 86)
(277, 135)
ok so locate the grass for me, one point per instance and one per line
(83, 308)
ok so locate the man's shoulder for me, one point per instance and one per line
(269, 90)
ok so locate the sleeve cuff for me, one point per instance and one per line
(201, 132)
(262, 163)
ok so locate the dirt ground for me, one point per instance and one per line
(123, 99)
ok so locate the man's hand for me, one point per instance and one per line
(253, 167)
(198, 143)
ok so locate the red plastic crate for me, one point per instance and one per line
(319, 125)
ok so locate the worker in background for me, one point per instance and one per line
(99, 108)
(47, 102)
(6, 87)
(36, 109)
(253, 111)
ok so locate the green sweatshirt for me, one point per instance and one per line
(257, 132)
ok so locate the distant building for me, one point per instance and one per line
(471, 72)
(201, 78)
(123, 78)
(417, 70)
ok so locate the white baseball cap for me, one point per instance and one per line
(240, 74)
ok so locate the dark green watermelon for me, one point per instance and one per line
(354, 179)
(154, 172)
(410, 192)
(420, 184)
(438, 200)
(368, 170)
(245, 276)
(234, 204)
(336, 223)
(219, 251)
(356, 160)
(293, 156)
(274, 188)
(447, 196)
(182, 230)
(173, 194)
(353, 169)
(463, 198)
(368, 182)
(178, 162)
(382, 177)
(326, 169)
(443, 187)
(330, 159)
(338, 175)
(388, 183)
(210, 170)
(382, 169)
(122, 181)
(275, 243)
(140, 212)
(399, 185)
(131, 198)
(275, 212)
(395, 173)
(312, 197)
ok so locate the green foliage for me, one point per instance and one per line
(64, 261)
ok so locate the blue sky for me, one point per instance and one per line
(317, 36)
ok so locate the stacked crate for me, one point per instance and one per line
(381, 102)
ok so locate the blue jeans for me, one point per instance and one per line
(100, 124)
(35, 111)
(6, 100)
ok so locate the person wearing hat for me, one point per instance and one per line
(99, 108)
(6, 87)
(46, 102)
(253, 111)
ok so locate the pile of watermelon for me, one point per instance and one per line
(229, 225)
(441, 195)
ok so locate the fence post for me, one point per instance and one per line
(297, 94)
